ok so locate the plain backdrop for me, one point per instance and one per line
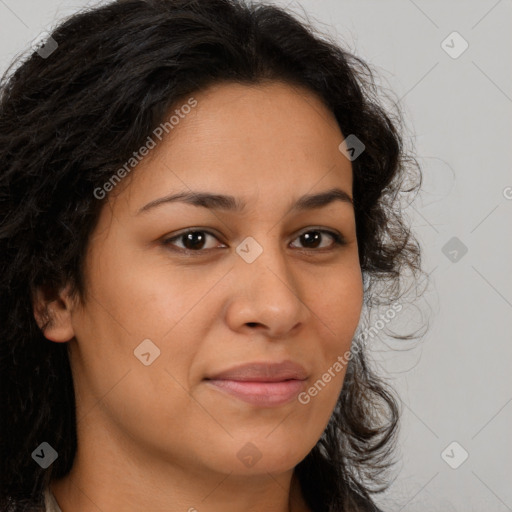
(449, 64)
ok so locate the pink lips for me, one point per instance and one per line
(262, 384)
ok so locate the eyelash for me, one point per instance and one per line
(338, 241)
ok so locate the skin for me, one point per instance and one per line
(158, 437)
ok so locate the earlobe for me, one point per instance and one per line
(52, 313)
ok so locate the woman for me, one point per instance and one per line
(198, 198)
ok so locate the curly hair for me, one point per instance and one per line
(68, 121)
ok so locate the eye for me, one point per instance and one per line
(313, 238)
(194, 240)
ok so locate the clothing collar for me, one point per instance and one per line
(50, 502)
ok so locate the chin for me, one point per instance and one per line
(260, 455)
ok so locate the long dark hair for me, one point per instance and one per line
(71, 114)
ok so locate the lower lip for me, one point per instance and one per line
(264, 394)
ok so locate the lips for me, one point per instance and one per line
(261, 383)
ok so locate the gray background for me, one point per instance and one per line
(455, 382)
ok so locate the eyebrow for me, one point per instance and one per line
(230, 203)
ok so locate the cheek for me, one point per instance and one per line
(338, 308)
(144, 299)
(127, 304)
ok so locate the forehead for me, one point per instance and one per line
(274, 138)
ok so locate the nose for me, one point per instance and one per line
(264, 294)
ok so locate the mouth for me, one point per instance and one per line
(263, 394)
(262, 384)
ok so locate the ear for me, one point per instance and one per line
(52, 312)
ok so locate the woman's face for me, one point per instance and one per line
(261, 285)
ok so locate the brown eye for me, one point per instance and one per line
(312, 239)
(195, 240)
(192, 240)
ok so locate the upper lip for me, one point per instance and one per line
(263, 372)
